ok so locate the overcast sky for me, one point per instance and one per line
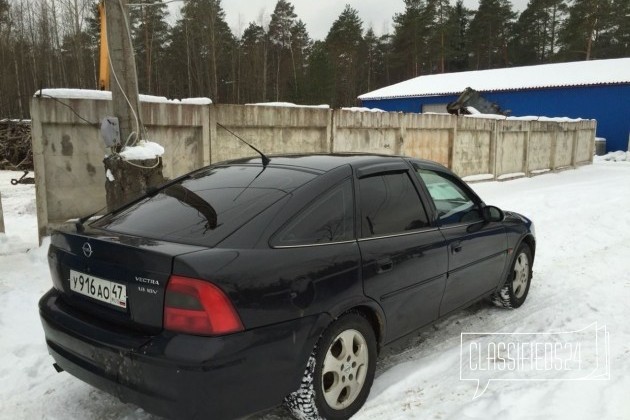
(320, 14)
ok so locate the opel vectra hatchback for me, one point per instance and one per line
(246, 285)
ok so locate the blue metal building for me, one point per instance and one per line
(598, 89)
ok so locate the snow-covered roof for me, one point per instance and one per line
(578, 73)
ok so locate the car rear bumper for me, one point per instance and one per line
(182, 376)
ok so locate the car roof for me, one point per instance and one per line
(324, 162)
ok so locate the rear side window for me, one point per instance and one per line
(390, 204)
(208, 207)
(328, 219)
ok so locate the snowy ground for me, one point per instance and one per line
(581, 276)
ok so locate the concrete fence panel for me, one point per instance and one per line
(585, 145)
(511, 149)
(564, 149)
(274, 130)
(539, 152)
(369, 132)
(430, 136)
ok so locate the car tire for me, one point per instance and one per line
(339, 372)
(519, 278)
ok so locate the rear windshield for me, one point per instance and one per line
(207, 207)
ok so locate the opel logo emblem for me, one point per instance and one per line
(87, 250)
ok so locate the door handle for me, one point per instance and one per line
(456, 247)
(384, 265)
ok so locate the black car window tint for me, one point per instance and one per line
(452, 201)
(327, 219)
(390, 204)
(207, 207)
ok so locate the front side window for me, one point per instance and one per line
(328, 219)
(453, 203)
(390, 204)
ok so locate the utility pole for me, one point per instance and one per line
(125, 180)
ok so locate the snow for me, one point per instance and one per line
(618, 156)
(105, 95)
(143, 150)
(581, 276)
(579, 73)
(110, 176)
(480, 177)
(289, 105)
(539, 171)
(511, 175)
(477, 114)
(362, 109)
(197, 101)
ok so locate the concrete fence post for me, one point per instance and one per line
(402, 134)
(528, 134)
(206, 139)
(331, 130)
(1, 216)
(574, 149)
(494, 139)
(451, 140)
(554, 149)
(212, 132)
(592, 140)
(39, 163)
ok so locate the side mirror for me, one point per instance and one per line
(492, 214)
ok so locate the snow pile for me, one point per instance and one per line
(580, 277)
(143, 150)
(196, 101)
(477, 178)
(477, 114)
(110, 176)
(289, 105)
(618, 156)
(510, 175)
(362, 109)
(105, 95)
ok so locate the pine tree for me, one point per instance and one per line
(409, 41)
(457, 44)
(620, 28)
(489, 34)
(346, 50)
(253, 63)
(587, 30)
(301, 47)
(536, 32)
(150, 35)
(209, 48)
(290, 43)
(436, 14)
(320, 73)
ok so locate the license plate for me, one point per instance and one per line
(99, 289)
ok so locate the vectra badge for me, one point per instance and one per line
(87, 250)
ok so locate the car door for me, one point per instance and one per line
(477, 249)
(404, 258)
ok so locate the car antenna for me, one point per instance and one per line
(265, 159)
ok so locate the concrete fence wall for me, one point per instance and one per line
(68, 152)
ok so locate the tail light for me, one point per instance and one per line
(198, 307)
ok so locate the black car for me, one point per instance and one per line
(246, 285)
